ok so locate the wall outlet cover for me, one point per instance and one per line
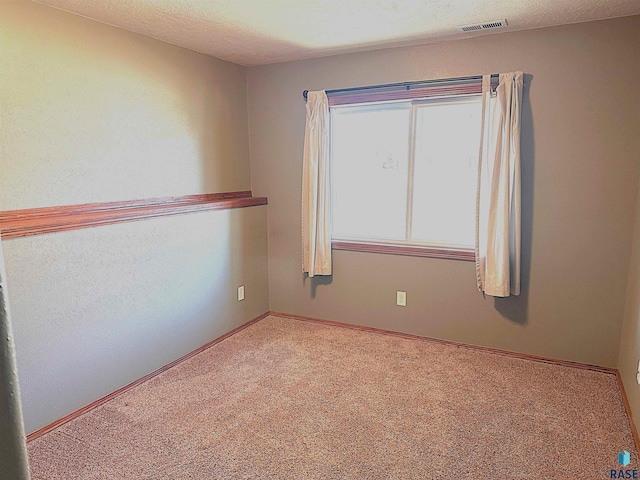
(241, 293)
(401, 298)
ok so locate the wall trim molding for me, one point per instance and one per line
(37, 221)
(627, 407)
(411, 336)
(110, 396)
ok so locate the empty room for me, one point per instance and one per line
(319, 239)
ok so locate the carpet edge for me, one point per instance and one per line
(411, 336)
(76, 413)
(110, 396)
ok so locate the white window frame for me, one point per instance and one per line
(409, 246)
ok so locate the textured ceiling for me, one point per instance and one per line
(255, 32)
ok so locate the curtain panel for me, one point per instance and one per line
(498, 195)
(316, 188)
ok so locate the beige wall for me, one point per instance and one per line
(91, 113)
(630, 337)
(95, 309)
(580, 179)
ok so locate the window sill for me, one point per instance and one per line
(408, 250)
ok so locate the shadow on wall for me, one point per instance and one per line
(515, 308)
(316, 281)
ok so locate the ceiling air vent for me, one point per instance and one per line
(483, 26)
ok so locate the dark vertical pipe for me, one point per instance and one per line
(13, 448)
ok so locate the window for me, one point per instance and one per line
(404, 174)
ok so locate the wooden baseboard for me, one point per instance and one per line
(106, 398)
(121, 390)
(627, 407)
(525, 356)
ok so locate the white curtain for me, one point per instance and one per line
(498, 198)
(316, 212)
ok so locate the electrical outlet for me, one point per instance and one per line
(241, 293)
(638, 373)
(401, 298)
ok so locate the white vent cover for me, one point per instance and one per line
(483, 26)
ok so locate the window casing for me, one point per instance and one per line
(404, 175)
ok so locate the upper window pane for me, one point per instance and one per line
(447, 141)
(369, 161)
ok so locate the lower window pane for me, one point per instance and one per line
(447, 140)
(370, 151)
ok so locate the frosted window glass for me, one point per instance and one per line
(369, 161)
(447, 140)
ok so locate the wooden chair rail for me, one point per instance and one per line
(37, 221)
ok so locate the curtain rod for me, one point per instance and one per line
(406, 85)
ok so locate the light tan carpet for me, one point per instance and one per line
(289, 399)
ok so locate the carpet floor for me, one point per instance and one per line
(290, 399)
